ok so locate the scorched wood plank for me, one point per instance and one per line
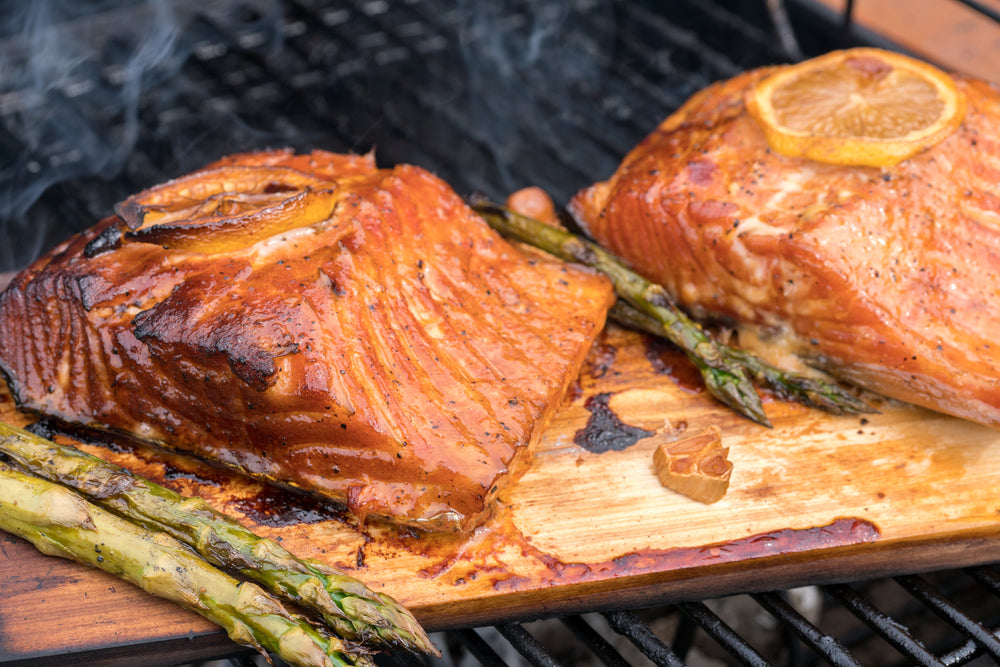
(815, 499)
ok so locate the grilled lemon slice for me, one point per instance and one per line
(862, 107)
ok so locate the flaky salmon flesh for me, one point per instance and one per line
(886, 277)
(353, 332)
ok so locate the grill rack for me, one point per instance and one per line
(443, 85)
(239, 61)
(867, 633)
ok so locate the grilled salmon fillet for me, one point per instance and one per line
(887, 277)
(354, 332)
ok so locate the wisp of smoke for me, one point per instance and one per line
(522, 59)
(72, 79)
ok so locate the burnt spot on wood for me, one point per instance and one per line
(605, 431)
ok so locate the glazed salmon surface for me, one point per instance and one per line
(357, 333)
(886, 277)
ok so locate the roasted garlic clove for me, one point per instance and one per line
(696, 466)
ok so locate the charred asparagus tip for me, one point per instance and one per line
(811, 391)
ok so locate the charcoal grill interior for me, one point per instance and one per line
(100, 102)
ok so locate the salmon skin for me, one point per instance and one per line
(886, 277)
(311, 320)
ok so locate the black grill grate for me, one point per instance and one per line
(492, 96)
(882, 622)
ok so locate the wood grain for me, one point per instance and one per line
(944, 32)
(815, 499)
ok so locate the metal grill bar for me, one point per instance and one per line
(684, 637)
(941, 606)
(890, 630)
(982, 9)
(526, 645)
(627, 624)
(821, 642)
(987, 577)
(479, 649)
(962, 655)
(969, 650)
(598, 645)
(783, 27)
(728, 638)
(848, 16)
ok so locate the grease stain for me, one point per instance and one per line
(605, 431)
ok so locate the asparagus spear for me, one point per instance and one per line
(60, 522)
(350, 608)
(727, 372)
(726, 381)
(812, 391)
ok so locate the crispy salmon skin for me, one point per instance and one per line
(354, 332)
(886, 277)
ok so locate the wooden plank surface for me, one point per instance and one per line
(815, 499)
(945, 32)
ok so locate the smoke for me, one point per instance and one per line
(47, 109)
(527, 64)
(73, 76)
(497, 94)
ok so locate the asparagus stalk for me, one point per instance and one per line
(726, 381)
(60, 522)
(786, 385)
(350, 608)
(728, 373)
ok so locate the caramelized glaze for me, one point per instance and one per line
(357, 333)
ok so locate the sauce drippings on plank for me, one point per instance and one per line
(481, 559)
(605, 431)
(277, 508)
(668, 360)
